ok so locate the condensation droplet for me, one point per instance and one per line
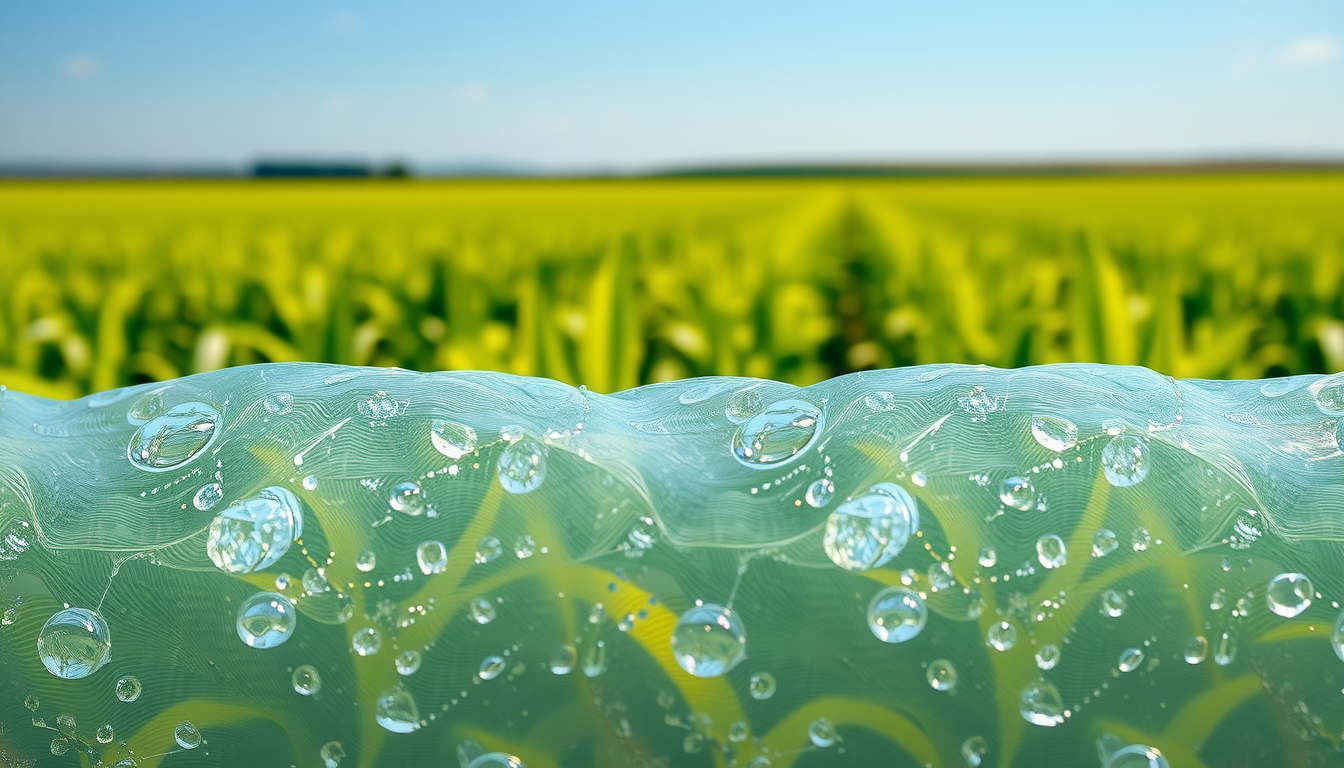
(1053, 432)
(896, 614)
(708, 640)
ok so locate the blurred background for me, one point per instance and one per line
(619, 193)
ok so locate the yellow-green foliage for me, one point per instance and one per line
(616, 283)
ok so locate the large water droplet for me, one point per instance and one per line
(1130, 659)
(1136, 756)
(522, 466)
(1018, 493)
(74, 643)
(396, 711)
(1040, 704)
(128, 688)
(942, 675)
(1289, 594)
(1053, 432)
(186, 735)
(407, 498)
(174, 438)
(871, 528)
(1002, 636)
(432, 557)
(708, 640)
(822, 733)
(896, 614)
(452, 439)
(251, 534)
(777, 434)
(266, 620)
(1124, 460)
(1050, 551)
(306, 680)
(762, 686)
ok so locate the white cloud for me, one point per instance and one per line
(82, 66)
(1310, 51)
(470, 94)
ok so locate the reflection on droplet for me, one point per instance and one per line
(491, 667)
(1040, 704)
(522, 466)
(1196, 650)
(1124, 460)
(896, 614)
(762, 686)
(251, 534)
(488, 550)
(306, 680)
(988, 556)
(1053, 432)
(266, 620)
(74, 643)
(396, 711)
(279, 403)
(822, 733)
(1136, 756)
(482, 610)
(777, 434)
(872, 528)
(452, 439)
(332, 753)
(407, 498)
(942, 675)
(408, 662)
(1002, 636)
(366, 641)
(207, 496)
(1104, 542)
(432, 557)
(128, 688)
(1018, 493)
(820, 492)
(563, 659)
(708, 640)
(973, 751)
(174, 438)
(1047, 656)
(366, 561)
(186, 735)
(1130, 659)
(1050, 551)
(1289, 594)
(1112, 603)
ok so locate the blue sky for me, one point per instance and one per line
(642, 85)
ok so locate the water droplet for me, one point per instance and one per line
(919, 478)
(1040, 704)
(1224, 650)
(1050, 551)
(708, 640)
(432, 557)
(1124, 460)
(524, 547)
(522, 466)
(762, 686)
(366, 641)
(105, 733)
(306, 680)
(488, 550)
(380, 407)
(408, 662)
(872, 528)
(643, 535)
(366, 561)
(940, 576)
(186, 735)
(310, 483)
(1104, 542)
(1053, 432)
(31, 702)
(147, 407)
(1196, 650)
(777, 434)
(822, 733)
(279, 403)
(1140, 539)
(1328, 392)
(452, 439)
(1337, 637)
(1047, 656)
(942, 675)
(74, 643)
(737, 732)
(59, 746)
(251, 534)
(1136, 756)
(208, 496)
(174, 438)
(1018, 493)
(315, 581)
(266, 620)
(128, 688)
(332, 754)
(988, 557)
(396, 711)
(743, 405)
(1002, 636)
(973, 750)
(595, 660)
(1130, 659)
(820, 493)
(896, 614)
(407, 498)
(1112, 603)
(1289, 594)
(482, 610)
(562, 659)
(491, 667)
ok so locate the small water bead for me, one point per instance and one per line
(524, 547)
(522, 466)
(1041, 704)
(563, 659)
(1113, 603)
(1289, 594)
(74, 643)
(643, 535)
(482, 610)
(452, 439)
(693, 743)
(1217, 600)
(822, 733)
(1196, 649)
(1136, 756)
(595, 660)
(820, 493)
(1130, 659)
(870, 529)
(432, 556)
(1104, 542)
(315, 581)
(266, 620)
(408, 662)
(310, 483)
(366, 561)
(973, 751)
(940, 576)
(186, 735)
(989, 557)
(1018, 493)
(491, 667)
(250, 535)
(488, 550)
(737, 732)
(1124, 460)
(407, 498)
(174, 438)
(1002, 636)
(128, 688)
(709, 640)
(207, 496)
(762, 685)
(1050, 551)
(396, 711)
(919, 478)
(105, 733)
(306, 680)
(332, 753)
(366, 641)
(942, 675)
(1224, 650)
(1052, 432)
(1047, 656)
(777, 434)
(896, 614)
(1141, 539)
